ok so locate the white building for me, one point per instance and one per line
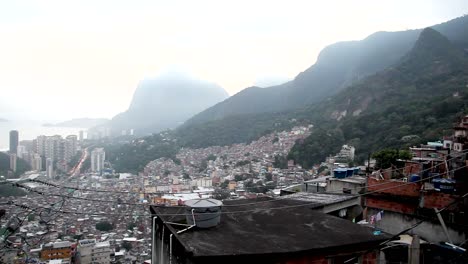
(36, 162)
(101, 253)
(21, 151)
(98, 156)
(204, 182)
(71, 147)
(13, 160)
(50, 167)
(346, 153)
(90, 251)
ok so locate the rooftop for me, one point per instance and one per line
(270, 225)
(352, 179)
(315, 200)
(102, 244)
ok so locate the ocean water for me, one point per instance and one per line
(30, 130)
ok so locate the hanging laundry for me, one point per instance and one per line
(378, 217)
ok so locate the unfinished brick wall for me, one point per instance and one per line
(387, 205)
(438, 200)
(397, 188)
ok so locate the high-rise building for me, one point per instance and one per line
(40, 146)
(71, 147)
(36, 162)
(50, 167)
(21, 151)
(14, 137)
(98, 156)
(13, 160)
(27, 144)
(81, 134)
(52, 147)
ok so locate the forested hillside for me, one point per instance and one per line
(417, 100)
(338, 66)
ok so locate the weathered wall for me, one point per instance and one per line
(394, 223)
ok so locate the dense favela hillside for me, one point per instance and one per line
(165, 102)
(415, 101)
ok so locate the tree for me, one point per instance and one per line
(104, 226)
(127, 245)
(31, 217)
(280, 162)
(321, 169)
(211, 157)
(221, 194)
(186, 176)
(131, 225)
(386, 157)
(225, 184)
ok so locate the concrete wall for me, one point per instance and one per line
(393, 187)
(394, 223)
(337, 186)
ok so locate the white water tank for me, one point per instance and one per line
(206, 212)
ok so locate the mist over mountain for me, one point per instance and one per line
(165, 102)
(80, 122)
(412, 100)
(338, 66)
(415, 101)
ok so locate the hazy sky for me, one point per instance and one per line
(65, 59)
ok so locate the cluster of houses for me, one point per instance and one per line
(62, 226)
(236, 167)
(415, 210)
(412, 212)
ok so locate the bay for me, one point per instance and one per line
(29, 130)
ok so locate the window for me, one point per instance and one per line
(347, 190)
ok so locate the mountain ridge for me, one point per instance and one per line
(338, 66)
(412, 102)
(166, 102)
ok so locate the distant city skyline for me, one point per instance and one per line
(64, 60)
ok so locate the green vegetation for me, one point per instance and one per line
(224, 184)
(415, 102)
(131, 225)
(221, 194)
(8, 190)
(242, 163)
(134, 156)
(127, 245)
(232, 130)
(104, 226)
(86, 164)
(338, 66)
(21, 165)
(388, 157)
(280, 162)
(75, 159)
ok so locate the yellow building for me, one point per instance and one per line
(57, 250)
(232, 185)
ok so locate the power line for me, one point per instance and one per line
(408, 229)
(271, 208)
(245, 204)
(128, 192)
